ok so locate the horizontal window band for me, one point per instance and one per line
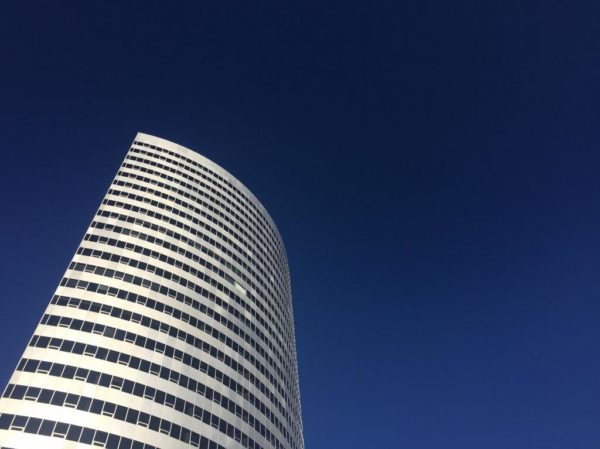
(247, 264)
(206, 192)
(106, 309)
(90, 286)
(143, 365)
(174, 332)
(133, 416)
(215, 227)
(152, 303)
(72, 432)
(275, 297)
(282, 314)
(148, 212)
(172, 293)
(281, 324)
(144, 391)
(161, 348)
(251, 208)
(254, 237)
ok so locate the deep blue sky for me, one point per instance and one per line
(433, 167)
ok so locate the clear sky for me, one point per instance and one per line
(433, 167)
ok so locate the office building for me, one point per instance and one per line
(172, 326)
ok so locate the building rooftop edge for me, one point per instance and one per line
(159, 141)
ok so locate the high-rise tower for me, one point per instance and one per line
(172, 326)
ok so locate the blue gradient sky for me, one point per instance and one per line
(432, 166)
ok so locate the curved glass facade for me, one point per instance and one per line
(172, 326)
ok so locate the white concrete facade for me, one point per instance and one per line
(173, 325)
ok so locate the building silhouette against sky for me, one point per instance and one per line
(172, 326)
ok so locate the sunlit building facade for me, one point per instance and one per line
(172, 326)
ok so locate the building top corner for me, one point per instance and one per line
(194, 155)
